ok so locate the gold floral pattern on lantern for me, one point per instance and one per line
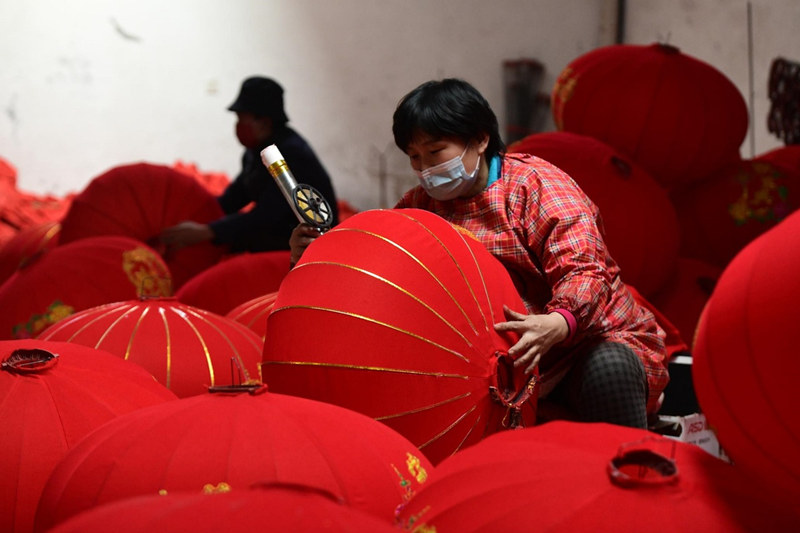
(763, 198)
(147, 272)
(40, 321)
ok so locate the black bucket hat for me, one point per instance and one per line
(262, 97)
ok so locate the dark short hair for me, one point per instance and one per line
(447, 108)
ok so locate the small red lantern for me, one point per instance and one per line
(236, 280)
(139, 201)
(254, 313)
(186, 348)
(391, 314)
(678, 117)
(746, 360)
(646, 251)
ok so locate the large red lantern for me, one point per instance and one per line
(723, 213)
(267, 507)
(186, 348)
(786, 157)
(139, 201)
(678, 117)
(569, 476)
(391, 314)
(52, 394)
(236, 280)
(746, 362)
(646, 251)
(253, 313)
(228, 442)
(26, 245)
(77, 276)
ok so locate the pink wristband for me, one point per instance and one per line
(572, 324)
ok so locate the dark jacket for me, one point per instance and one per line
(269, 225)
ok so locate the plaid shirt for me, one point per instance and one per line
(548, 235)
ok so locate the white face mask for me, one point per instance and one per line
(448, 180)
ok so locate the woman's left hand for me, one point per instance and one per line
(538, 333)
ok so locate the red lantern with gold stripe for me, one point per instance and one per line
(391, 314)
(254, 313)
(77, 276)
(678, 117)
(229, 441)
(140, 200)
(187, 349)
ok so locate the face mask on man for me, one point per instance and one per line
(448, 180)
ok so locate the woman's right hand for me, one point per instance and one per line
(302, 236)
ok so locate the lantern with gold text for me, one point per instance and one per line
(229, 441)
(140, 200)
(391, 314)
(187, 349)
(745, 363)
(52, 394)
(678, 117)
(77, 276)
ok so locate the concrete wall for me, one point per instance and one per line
(89, 84)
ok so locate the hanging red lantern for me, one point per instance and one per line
(187, 349)
(52, 394)
(646, 251)
(228, 442)
(26, 245)
(391, 314)
(254, 313)
(139, 201)
(236, 280)
(274, 507)
(569, 476)
(678, 117)
(77, 276)
(723, 213)
(745, 363)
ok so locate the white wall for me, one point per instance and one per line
(89, 84)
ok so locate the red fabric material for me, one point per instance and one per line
(639, 221)
(214, 182)
(77, 276)
(140, 200)
(554, 477)
(678, 117)
(785, 157)
(277, 507)
(235, 280)
(47, 413)
(746, 362)
(219, 441)
(26, 245)
(391, 314)
(723, 213)
(185, 348)
(253, 313)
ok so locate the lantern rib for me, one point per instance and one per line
(162, 312)
(425, 408)
(373, 321)
(448, 428)
(483, 283)
(421, 264)
(222, 334)
(456, 263)
(134, 330)
(369, 368)
(112, 325)
(62, 324)
(399, 288)
(475, 425)
(181, 316)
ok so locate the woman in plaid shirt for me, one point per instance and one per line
(599, 353)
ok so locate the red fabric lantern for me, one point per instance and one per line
(646, 250)
(236, 280)
(391, 314)
(186, 348)
(720, 215)
(678, 117)
(683, 297)
(567, 476)
(77, 276)
(254, 313)
(139, 201)
(786, 157)
(47, 404)
(274, 507)
(221, 442)
(214, 182)
(745, 363)
(26, 245)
